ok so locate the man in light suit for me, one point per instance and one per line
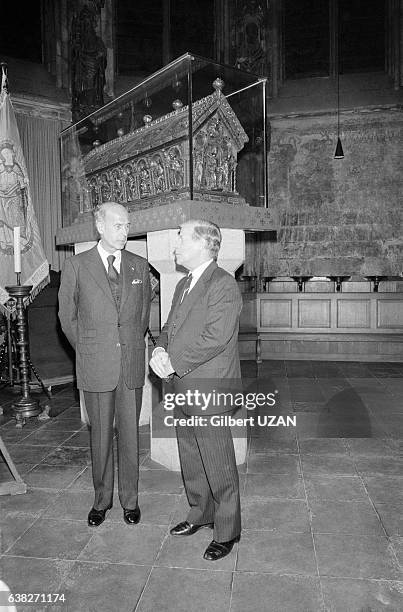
(104, 306)
(198, 347)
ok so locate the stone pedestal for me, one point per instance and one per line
(160, 255)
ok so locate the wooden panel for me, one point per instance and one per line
(248, 315)
(275, 313)
(390, 314)
(353, 314)
(314, 313)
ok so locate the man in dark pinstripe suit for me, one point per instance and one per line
(197, 346)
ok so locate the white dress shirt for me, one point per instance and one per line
(197, 272)
(104, 256)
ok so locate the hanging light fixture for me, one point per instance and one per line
(338, 154)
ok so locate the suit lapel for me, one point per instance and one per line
(97, 270)
(126, 271)
(194, 295)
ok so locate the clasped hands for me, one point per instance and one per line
(160, 363)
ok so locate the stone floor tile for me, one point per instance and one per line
(80, 439)
(121, 543)
(356, 556)
(186, 590)
(27, 453)
(12, 528)
(383, 466)
(70, 505)
(50, 437)
(342, 488)
(274, 552)
(288, 486)
(104, 586)
(33, 502)
(273, 446)
(160, 481)
(157, 508)
(341, 594)
(50, 538)
(347, 517)
(69, 425)
(33, 575)
(68, 455)
(273, 464)
(285, 515)
(83, 480)
(391, 517)
(397, 543)
(11, 435)
(325, 465)
(52, 476)
(385, 489)
(371, 447)
(275, 593)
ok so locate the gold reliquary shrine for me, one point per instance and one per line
(196, 130)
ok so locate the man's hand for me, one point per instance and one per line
(161, 363)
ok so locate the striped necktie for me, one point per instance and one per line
(186, 286)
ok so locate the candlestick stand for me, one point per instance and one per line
(25, 406)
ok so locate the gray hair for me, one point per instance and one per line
(210, 233)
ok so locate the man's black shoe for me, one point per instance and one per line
(96, 517)
(187, 529)
(131, 517)
(218, 550)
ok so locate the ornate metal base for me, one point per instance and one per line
(26, 406)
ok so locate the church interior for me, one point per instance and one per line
(281, 122)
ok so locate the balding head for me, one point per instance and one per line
(112, 223)
(100, 210)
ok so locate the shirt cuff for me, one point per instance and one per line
(157, 349)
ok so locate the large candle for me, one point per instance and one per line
(17, 250)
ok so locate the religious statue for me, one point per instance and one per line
(249, 37)
(131, 183)
(175, 166)
(12, 197)
(157, 168)
(88, 63)
(145, 182)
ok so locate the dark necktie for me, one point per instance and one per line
(113, 274)
(186, 286)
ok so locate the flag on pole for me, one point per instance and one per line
(16, 211)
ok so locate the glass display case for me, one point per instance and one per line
(194, 130)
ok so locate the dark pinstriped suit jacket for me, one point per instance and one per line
(103, 336)
(201, 334)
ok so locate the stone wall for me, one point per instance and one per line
(336, 217)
